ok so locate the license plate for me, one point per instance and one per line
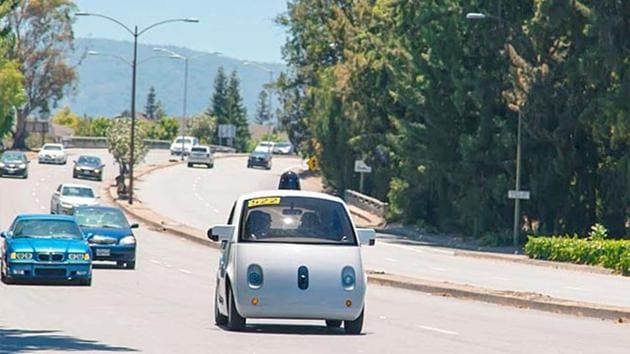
(102, 252)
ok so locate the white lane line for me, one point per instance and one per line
(42, 207)
(154, 261)
(439, 269)
(185, 271)
(417, 250)
(574, 288)
(438, 330)
(168, 265)
(391, 260)
(216, 211)
(500, 278)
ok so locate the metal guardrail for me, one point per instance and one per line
(96, 142)
(367, 203)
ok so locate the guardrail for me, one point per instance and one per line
(367, 203)
(97, 142)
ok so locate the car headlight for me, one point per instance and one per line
(97, 171)
(1, 164)
(127, 240)
(22, 165)
(348, 278)
(79, 256)
(255, 276)
(77, 168)
(66, 205)
(21, 256)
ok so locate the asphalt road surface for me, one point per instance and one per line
(164, 306)
(201, 198)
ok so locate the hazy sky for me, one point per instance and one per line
(242, 29)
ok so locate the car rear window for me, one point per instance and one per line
(296, 220)
(199, 149)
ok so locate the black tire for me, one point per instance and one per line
(219, 319)
(333, 323)
(235, 322)
(130, 265)
(190, 165)
(356, 326)
(249, 166)
(86, 282)
(211, 165)
(4, 278)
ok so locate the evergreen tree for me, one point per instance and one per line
(159, 112)
(151, 106)
(236, 112)
(218, 102)
(263, 115)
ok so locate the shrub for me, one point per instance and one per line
(612, 254)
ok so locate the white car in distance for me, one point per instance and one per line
(69, 196)
(265, 146)
(52, 153)
(201, 155)
(183, 145)
(290, 254)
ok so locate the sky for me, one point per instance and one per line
(242, 29)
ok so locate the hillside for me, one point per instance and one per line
(104, 86)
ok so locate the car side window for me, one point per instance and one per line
(231, 217)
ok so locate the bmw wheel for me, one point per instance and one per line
(354, 327)
(235, 322)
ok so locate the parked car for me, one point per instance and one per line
(259, 158)
(14, 163)
(67, 197)
(201, 155)
(109, 234)
(290, 254)
(183, 145)
(265, 146)
(45, 248)
(52, 153)
(283, 148)
(88, 167)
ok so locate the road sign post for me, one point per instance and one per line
(228, 132)
(512, 194)
(361, 167)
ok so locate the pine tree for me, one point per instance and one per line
(263, 115)
(236, 112)
(151, 107)
(218, 101)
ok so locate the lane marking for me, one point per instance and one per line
(439, 269)
(438, 330)
(185, 271)
(154, 261)
(500, 278)
(391, 260)
(575, 288)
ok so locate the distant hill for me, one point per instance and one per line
(104, 86)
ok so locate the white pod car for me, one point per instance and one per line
(292, 255)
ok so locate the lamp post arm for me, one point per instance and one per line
(163, 22)
(107, 18)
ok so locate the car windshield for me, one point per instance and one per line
(52, 147)
(296, 220)
(105, 218)
(89, 160)
(260, 154)
(199, 149)
(78, 192)
(184, 141)
(13, 156)
(46, 229)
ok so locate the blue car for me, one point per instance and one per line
(44, 248)
(109, 234)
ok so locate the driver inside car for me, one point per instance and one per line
(258, 225)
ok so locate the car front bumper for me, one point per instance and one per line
(256, 162)
(113, 253)
(50, 159)
(48, 271)
(87, 173)
(12, 171)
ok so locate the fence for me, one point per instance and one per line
(366, 203)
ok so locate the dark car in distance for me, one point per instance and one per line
(88, 167)
(109, 234)
(259, 158)
(14, 163)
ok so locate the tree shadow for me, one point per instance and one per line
(22, 341)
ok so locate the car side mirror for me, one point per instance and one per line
(220, 233)
(134, 226)
(367, 237)
(3, 234)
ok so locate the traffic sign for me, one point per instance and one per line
(361, 167)
(227, 131)
(512, 194)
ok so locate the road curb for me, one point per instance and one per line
(506, 298)
(518, 299)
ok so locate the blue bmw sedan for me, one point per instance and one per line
(109, 234)
(45, 248)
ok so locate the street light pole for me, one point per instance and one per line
(135, 33)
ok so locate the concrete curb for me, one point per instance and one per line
(506, 298)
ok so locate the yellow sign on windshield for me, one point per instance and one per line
(252, 203)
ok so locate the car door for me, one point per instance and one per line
(54, 201)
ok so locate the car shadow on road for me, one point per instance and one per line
(300, 330)
(22, 341)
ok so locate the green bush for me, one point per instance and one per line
(613, 254)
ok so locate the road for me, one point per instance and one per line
(164, 306)
(200, 198)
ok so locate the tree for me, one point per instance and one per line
(263, 115)
(66, 117)
(119, 139)
(43, 37)
(164, 129)
(159, 110)
(203, 127)
(218, 101)
(236, 113)
(151, 106)
(11, 79)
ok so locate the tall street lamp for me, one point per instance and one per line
(270, 71)
(186, 59)
(135, 33)
(517, 199)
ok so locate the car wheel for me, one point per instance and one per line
(86, 282)
(219, 319)
(190, 165)
(130, 265)
(211, 165)
(100, 178)
(235, 322)
(354, 327)
(3, 277)
(333, 323)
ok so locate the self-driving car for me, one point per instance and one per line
(88, 167)
(109, 234)
(290, 254)
(45, 248)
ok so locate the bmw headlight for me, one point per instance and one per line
(127, 240)
(21, 256)
(79, 256)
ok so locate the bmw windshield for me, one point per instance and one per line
(296, 220)
(46, 229)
